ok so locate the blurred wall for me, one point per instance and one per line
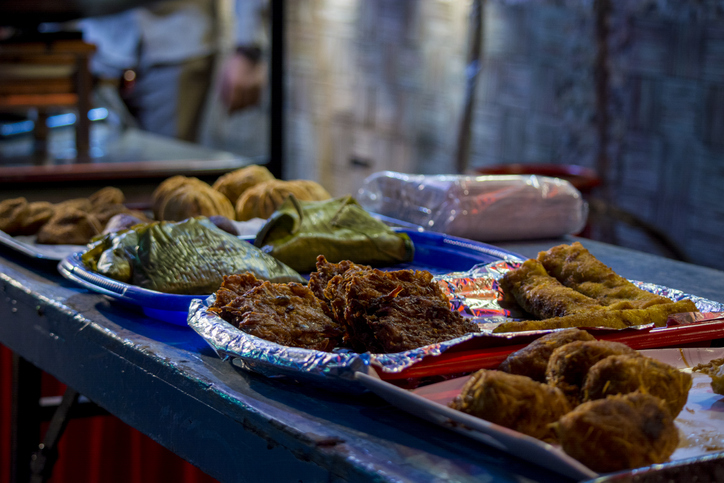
(379, 84)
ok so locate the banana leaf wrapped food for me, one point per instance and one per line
(189, 257)
(340, 229)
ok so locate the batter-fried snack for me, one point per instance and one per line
(163, 191)
(612, 319)
(569, 364)
(232, 287)
(516, 402)
(325, 272)
(12, 212)
(105, 212)
(624, 374)
(619, 432)
(69, 227)
(179, 198)
(575, 267)
(82, 204)
(35, 215)
(288, 314)
(715, 370)
(233, 184)
(263, 199)
(395, 311)
(532, 360)
(107, 196)
(542, 295)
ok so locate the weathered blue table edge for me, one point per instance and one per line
(166, 382)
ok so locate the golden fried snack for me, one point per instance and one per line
(36, 214)
(287, 314)
(569, 364)
(234, 286)
(532, 360)
(166, 188)
(516, 402)
(107, 196)
(12, 212)
(234, 184)
(393, 311)
(612, 319)
(104, 213)
(311, 190)
(575, 267)
(326, 271)
(263, 199)
(542, 295)
(81, 204)
(715, 370)
(619, 432)
(177, 199)
(69, 227)
(625, 373)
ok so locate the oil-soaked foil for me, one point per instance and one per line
(474, 294)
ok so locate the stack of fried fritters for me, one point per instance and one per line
(348, 305)
(71, 222)
(607, 405)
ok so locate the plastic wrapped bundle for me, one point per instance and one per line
(486, 208)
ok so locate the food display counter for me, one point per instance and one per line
(165, 380)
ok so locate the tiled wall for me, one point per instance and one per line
(379, 84)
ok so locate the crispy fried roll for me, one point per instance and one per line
(624, 374)
(542, 295)
(613, 319)
(619, 432)
(516, 402)
(532, 360)
(569, 364)
(575, 267)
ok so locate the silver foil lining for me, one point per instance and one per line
(474, 294)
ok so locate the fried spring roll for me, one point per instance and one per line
(612, 319)
(575, 267)
(542, 295)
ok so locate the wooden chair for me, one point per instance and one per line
(48, 74)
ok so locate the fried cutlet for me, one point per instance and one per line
(287, 314)
(326, 271)
(569, 364)
(234, 286)
(393, 311)
(532, 360)
(516, 402)
(625, 373)
(715, 370)
(619, 432)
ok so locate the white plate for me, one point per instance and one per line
(27, 246)
(700, 423)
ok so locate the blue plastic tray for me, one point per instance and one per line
(434, 252)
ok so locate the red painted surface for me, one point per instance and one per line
(98, 449)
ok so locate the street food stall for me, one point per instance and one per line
(344, 405)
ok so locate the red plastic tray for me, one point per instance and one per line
(681, 330)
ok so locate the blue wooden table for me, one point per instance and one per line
(165, 381)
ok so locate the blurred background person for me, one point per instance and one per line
(156, 63)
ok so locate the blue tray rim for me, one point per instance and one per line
(72, 268)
